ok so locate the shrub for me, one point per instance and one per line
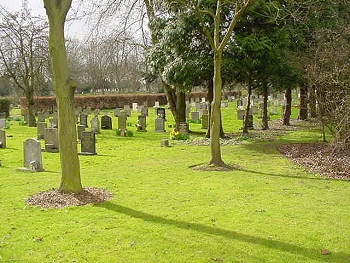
(5, 106)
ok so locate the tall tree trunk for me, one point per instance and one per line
(215, 150)
(30, 102)
(171, 98)
(64, 90)
(312, 102)
(287, 107)
(210, 96)
(303, 111)
(246, 117)
(180, 107)
(265, 117)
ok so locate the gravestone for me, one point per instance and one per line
(95, 124)
(40, 128)
(254, 109)
(106, 122)
(156, 104)
(205, 121)
(41, 117)
(122, 122)
(88, 143)
(51, 140)
(184, 128)
(2, 123)
(53, 123)
(116, 112)
(160, 112)
(164, 143)
(141, 123)
(2, 139)
(32, 160)
(3, 115)
(135, 106)
(159, 124)
(127, 110)
(81, 129)
(83, 119)
(224, 104)
(240, 114)
(144, 111)
(239, 103)
(195, 115)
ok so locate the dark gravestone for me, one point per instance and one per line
(81, 129)
(83, 119)
(205, 121)
(106, 122)
(2, 139)
(88, 143)
(141, 123)
(160, 112)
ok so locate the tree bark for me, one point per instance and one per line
(288, 107)
(265, 117)
(210, 96)
(245, 124)
(64, 90)
(180, 107)
(303, 111)
(215, 150)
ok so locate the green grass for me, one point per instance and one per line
(162, 211)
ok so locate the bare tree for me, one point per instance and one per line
(23, 51)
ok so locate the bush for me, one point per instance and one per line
(5, 106)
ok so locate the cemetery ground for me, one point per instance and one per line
(272, 209)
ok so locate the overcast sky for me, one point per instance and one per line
(76, 29)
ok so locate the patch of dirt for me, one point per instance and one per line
(211, 167)
(54, 199)
(325, 159)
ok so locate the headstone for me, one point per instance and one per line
(122, 121)
(95, 125)
(41, 117)
(224, 104)
(88, 143)
(164, 143)
(116, 112)
(106, 122)
(160, 112)
(32, 160)
(2, 123)
(83, 119)
(51, 140)
(2, 139)
(203, 100)
(40, 128)
(254, 109)
(53, 123)
(205, 121)
(3, 115)
(81, 129)
(144, 111)
(135, 106)
(156, 104)
(240, 114)
(141, 123)
(239, 103)
(159, 124)
(195, 115)
(127, 110)
(183, 128)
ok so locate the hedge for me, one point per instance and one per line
(111, 101)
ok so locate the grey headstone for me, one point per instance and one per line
(3, 115)
(183, 128)
(51, 140)
(2, 123)
(159, 124)
(141, 123)
(250, 121)
(116, 112)
(32, 160)
(88, 143)
(240, 114)
(195, 115)
(122, 121)
(205, 121)
(95, 125)
(80, 129)
(40, 128)
(41, 117)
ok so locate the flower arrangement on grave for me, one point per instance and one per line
(175, 135)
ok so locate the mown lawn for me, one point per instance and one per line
(163, 211)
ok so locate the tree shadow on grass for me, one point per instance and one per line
(284, 247)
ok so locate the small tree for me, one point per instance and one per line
(23, 52)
